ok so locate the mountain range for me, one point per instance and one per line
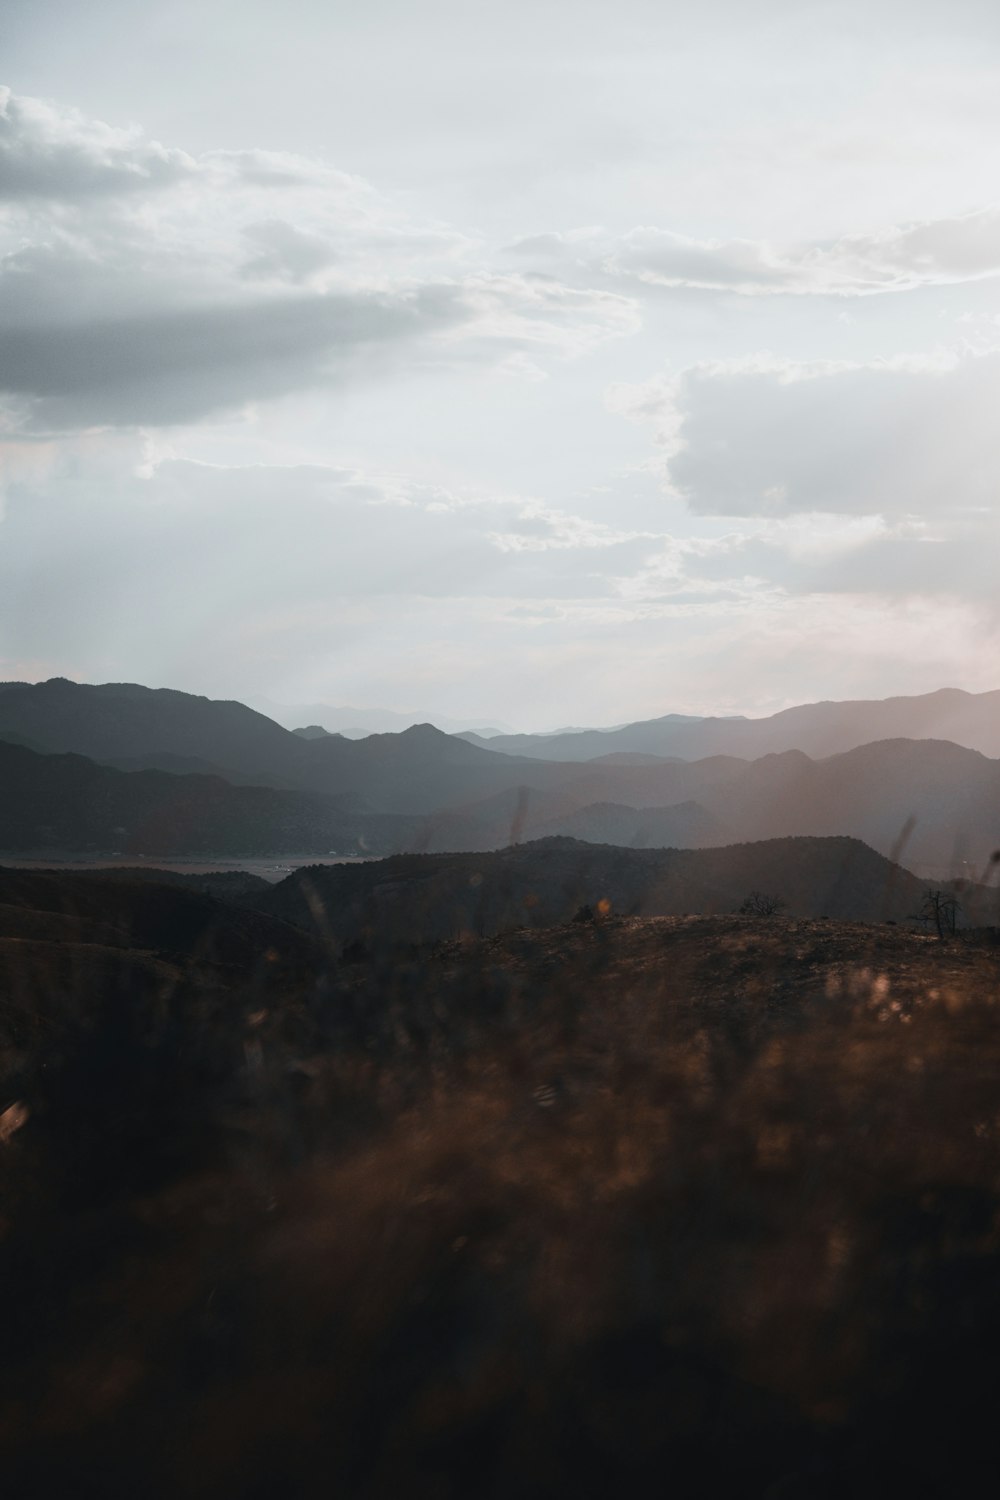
(124, 767)
(818, 729)
(356, 723)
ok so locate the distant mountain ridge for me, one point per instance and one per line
(259, 787)
(819, 729)
(356, 723)
(126, 724)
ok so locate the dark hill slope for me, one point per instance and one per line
(66, 802)
(145, 915)
(679, 1207)
(427, 898)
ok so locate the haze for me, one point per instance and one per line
(538, 363)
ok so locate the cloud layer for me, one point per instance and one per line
(140, 285)
(900, 258)
(248, 398)
(769, 437)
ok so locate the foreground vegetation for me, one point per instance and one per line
(684, 1205)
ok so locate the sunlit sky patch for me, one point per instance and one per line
(540, 363)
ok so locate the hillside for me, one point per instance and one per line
(425, 790)
(580, 1207)
(146, 912)
(423, 898)
(60, 803)
(922, 801)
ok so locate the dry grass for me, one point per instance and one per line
(683, 1205)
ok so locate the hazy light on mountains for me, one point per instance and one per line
(549, 363)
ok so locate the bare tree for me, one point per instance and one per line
(760, 904)
(941, 909)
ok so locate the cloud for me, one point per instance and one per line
(178, 365)
(284, 252)
(328, 579)
(950, 559)
(771, 437)
(97, 543)
(46, 152)
(245, 276)
(899, 258)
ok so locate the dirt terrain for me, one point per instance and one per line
(689, 1204)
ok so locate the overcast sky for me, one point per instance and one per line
(544, 361)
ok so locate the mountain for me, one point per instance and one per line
(651, 737)
(135, 727)
(355, 723)
(423, 789)
(943, 801)
(66, 803)
(685, 825)
(921, 800)
(122, 721)
(125, 724)
(818, 729)
(423, 898)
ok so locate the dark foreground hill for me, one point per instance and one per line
(151, 913)
(692, 1206)
(423, 898)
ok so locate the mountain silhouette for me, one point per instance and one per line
(177, 774)
(819, 729)
(424, 898)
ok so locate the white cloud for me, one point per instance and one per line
(897, 258)
(768, 437)
(246, 275)
(46, 152)
(415, 484)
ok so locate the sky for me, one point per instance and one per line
(537, 363)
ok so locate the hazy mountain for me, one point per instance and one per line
(952, 796)
(650, 737)
(423, 898)
(686, 825)
(355, 723)
(131, 726)
(420, 770)
(447, 793)
(945, 799)
(819, 729)
(122, 721)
